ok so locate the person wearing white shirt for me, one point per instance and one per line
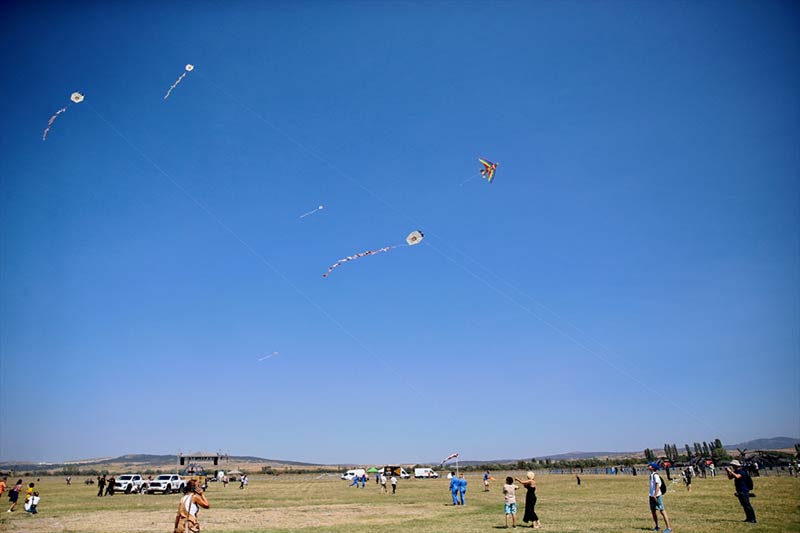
(656, 500)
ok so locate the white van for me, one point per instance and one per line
(353, 473)
(425, 473)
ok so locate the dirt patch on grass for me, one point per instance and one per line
(224, 519)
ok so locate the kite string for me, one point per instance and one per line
(562, 332)
(472, 177)
(255, 252)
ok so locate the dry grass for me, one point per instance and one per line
(291, 503)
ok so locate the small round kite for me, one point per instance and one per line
(189, 67)
(76, 98)
(415, 237)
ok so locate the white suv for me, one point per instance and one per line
(128, 483)
(166, 483)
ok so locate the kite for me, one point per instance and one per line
(76, 98)
(189, 68)
(415, 237)
(273, 354)
(488, 169)
(319, 208)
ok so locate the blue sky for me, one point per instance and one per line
(632, 276)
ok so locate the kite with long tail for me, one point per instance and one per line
(415, 237)
(189, 68)
(76, 98)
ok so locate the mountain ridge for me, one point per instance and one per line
(152, 460)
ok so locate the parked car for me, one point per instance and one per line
(166, 483)
(128, 483)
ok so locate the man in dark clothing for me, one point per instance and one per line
(740, 481)
(110, 486)
(101, 484)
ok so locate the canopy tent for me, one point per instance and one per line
(372, 470)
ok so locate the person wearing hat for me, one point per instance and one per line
(656, 500)
(740, 482)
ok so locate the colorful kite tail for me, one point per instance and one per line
(50, 122)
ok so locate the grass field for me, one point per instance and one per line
(602, 503)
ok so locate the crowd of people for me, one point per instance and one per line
(31, 502)
(186, 520)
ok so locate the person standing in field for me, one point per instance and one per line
(186, 519)
(110, 486)
(363, 480)
(2, 486)
(101, 484)
(486, 481)
(383, 484)
(510, 501)
(656, 499)
(578, 479)
(530, 500)
(743, 484)
(462, 488)
(454, 487)
(13, 496)
(394, 483)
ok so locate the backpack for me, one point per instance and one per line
(663, 485)
(748, 481)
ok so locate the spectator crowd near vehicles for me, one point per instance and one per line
(194, 498)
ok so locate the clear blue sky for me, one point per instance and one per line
(632, 277)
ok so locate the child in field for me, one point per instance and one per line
(13, 496)
(33, 504)
(510, 500)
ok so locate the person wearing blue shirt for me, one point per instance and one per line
(462, 487)
(740, 482)
(454, 484)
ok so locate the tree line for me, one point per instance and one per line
(714, 451)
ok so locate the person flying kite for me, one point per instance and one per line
(488, 169)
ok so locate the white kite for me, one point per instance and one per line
(189, 68)
(319, 208)
(76, 98)
(273, 354)
(415, 237)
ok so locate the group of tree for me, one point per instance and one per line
(713, 450)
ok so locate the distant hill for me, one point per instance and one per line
(143, 461)
(775, 443)
(132, 462)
